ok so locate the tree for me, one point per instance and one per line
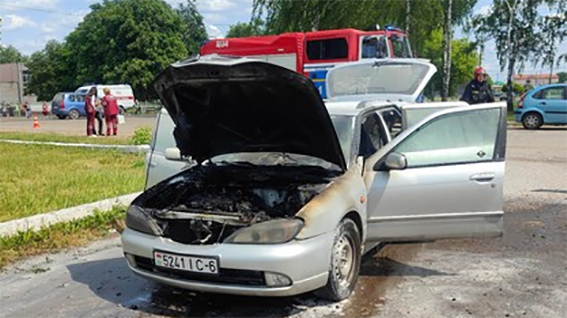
(446, 44)
(10, 54)
(240, 30)
(513, 24)
(51, 71)
(127, 41)
(562, 77)
(194, 31)
(306, 15)
(553, 30)
(463, 62)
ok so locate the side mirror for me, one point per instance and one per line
(173, 153)
(396, 161)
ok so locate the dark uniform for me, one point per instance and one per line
(478, 92)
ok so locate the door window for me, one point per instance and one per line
(393, 120)
(328, 49)
(374, 47)
(163, 138)
(464, 137)
(400, 46)
(371, 138)
(551, 93)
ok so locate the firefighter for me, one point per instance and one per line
(478, 91)
(110, 112)
(90, 109)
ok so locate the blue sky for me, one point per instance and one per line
(29, 24)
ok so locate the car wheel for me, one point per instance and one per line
(61, 116)
(74, 114)
(121, 110)
(532, 121)
(345, 263)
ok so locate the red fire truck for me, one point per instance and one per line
(314, 53)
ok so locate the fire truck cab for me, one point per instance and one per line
(314, 53)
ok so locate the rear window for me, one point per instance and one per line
(57, 98)
(328, 49)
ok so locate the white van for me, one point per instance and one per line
(123, 93)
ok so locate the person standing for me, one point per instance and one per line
(90, 109)
(478, 91)
(110, 105)
(98, 114)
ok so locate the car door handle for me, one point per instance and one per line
(482, 177)
(153, 164)
(543, 103)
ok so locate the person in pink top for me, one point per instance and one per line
(110, 105)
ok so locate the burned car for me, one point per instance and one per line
(288, 192)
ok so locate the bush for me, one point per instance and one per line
(142, 136)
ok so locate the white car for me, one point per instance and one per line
(288, 192)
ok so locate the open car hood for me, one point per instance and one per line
(396, 80)
(223, 105)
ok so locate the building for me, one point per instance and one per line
(13, 79)
(535, 79)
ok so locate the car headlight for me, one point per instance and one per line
(269, 232)
(137, 219)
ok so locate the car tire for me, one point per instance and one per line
(74, 114)
(532, 121)
(345, 263)
(121, 110)
(61, 116)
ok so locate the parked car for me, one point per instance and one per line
(282, 178)
(543, 105)
(123, 93)
(67, 104)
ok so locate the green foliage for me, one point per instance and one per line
(252, 28)
(562, 77)
(9, 54)
(127, 41)
(521, 33)
(119, 41)
(194, 31)
(291, 15)
(517, 88)
(142, 136)
(463, 62)
(52, 71)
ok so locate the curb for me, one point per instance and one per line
(36, 222)
(124, 148)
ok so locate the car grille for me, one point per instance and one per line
(225, 276)
(197, 232)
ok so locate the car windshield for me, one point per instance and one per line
(377, 77)
(343, 126)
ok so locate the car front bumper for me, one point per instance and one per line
(242, 266)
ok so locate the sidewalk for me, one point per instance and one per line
(36, 222)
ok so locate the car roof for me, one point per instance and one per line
(537, 88)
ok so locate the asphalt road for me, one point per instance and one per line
(521, 274)
(70, 127)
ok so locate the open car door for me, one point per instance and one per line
(441, 178)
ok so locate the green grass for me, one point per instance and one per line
(121, 140)
(60, 235)
(36, 179)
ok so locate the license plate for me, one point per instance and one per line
(196, 264)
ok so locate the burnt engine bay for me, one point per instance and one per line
(207, 203)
